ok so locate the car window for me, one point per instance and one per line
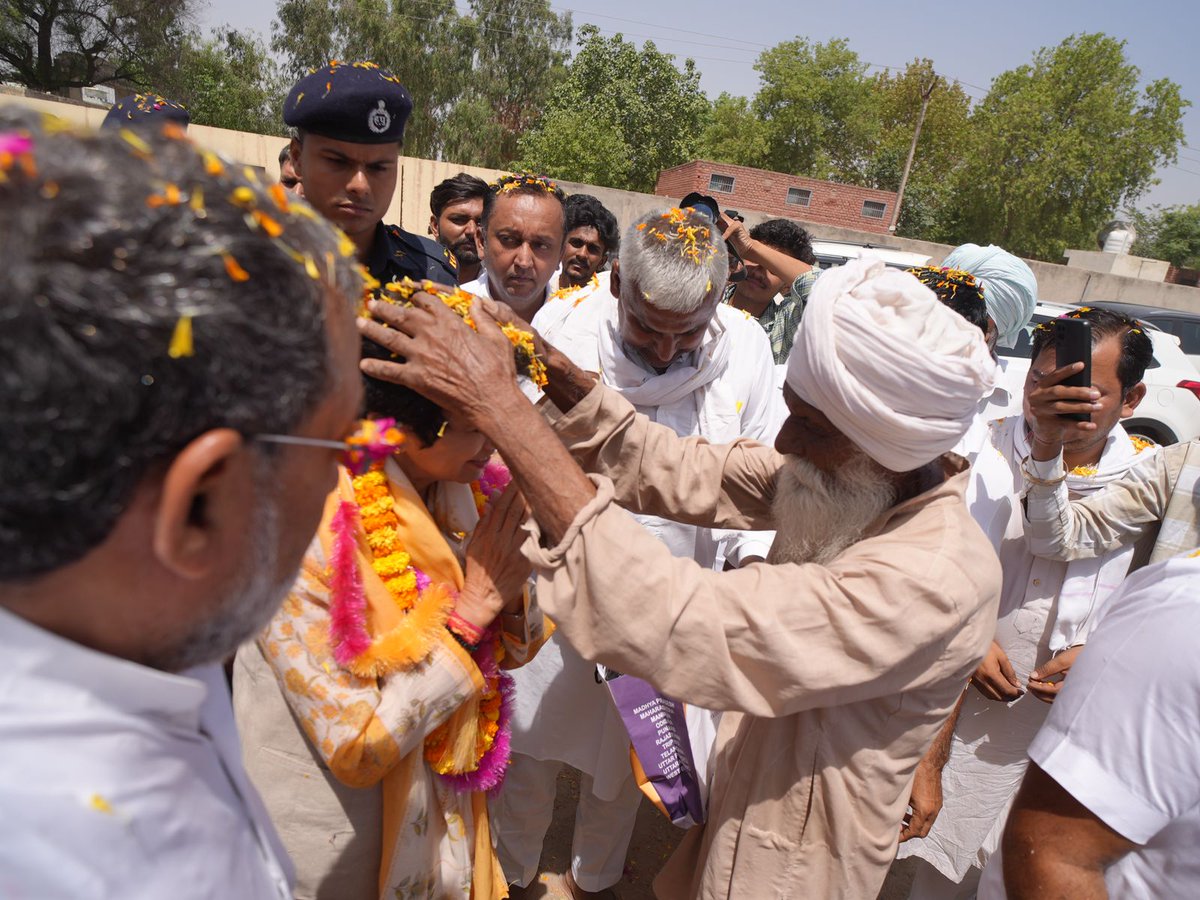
(1187, 330)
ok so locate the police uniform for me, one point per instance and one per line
(145, 109)
(363, 104)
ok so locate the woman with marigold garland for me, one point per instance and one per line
(373, 710)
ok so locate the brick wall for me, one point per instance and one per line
(828, 204)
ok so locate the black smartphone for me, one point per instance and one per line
(1072, 344)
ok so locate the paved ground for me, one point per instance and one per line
(654, 839)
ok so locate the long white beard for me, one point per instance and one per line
(817, 515)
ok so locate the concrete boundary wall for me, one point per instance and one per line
(417, 177)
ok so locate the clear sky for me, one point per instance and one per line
(968, 41)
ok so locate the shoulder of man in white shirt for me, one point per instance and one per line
(1115, 780)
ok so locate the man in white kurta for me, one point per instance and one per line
(718, 385)
(1047, 607)
(138, 770)
(167, 431)
(1010, 294)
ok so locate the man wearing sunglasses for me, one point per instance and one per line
(163, 314)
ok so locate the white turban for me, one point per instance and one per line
(897, 372)
(1009, 288)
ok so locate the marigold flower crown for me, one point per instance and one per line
(694, 241)
(400, 293)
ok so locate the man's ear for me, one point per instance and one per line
(433, 227)
(992, 335)
(614, 281)
(201, 485)
(294, 149)
(1134, 396)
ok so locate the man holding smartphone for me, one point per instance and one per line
(1156, 500)
(1047, 608)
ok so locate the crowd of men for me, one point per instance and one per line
(912, 610)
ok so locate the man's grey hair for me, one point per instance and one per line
(151, 293)
(675, 260)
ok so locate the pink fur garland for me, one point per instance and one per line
(348, 607)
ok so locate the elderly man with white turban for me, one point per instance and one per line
(838, 660)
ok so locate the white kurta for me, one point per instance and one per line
(123, 781)
(561, 712)
(988, 750)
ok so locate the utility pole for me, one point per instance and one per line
(926, 93)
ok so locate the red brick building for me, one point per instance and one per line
(777, 194)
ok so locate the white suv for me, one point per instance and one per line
(1170, 411)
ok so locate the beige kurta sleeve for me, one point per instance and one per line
(770, 640)
(657, 472)
(1119, 515)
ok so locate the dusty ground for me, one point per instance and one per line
(654, 839)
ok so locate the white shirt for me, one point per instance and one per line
(1121, 737)
(481, 287)
(122, 781)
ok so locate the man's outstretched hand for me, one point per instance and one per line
(444, 359)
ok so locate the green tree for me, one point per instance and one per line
(1172, 234)
(419, 40)
(734, 134)
(52, 45)
(1058, 146)
(945, 136)
(619, 117)
(815, 103)
(227, 80)
(518, 52)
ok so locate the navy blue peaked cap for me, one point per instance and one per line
(356, 102)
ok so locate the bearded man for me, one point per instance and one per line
(455, 211)
(175, 388)
(663, 339)
(838, 660)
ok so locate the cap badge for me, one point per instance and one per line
(379, 120)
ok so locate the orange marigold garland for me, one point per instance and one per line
(426, 607)
(400, 293)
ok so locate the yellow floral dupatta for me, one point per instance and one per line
(400, 639)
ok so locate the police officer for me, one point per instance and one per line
(349, 123)
(145, 109)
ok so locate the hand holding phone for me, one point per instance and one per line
(1073, 344)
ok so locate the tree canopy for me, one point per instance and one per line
(51, 45)
(619, 116)
(1172, 234)
(227, 80)
(1059, 145)
(477, 80)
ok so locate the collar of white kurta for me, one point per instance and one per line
(642, 386)
(1087, 582)
(35, 656)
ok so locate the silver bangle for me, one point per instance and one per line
(1043, 482)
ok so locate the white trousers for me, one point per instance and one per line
(521, 814)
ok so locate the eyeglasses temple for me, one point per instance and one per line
(302, 441)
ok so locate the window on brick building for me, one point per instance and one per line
(720, 184)
(873, 209)
(799, 196)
